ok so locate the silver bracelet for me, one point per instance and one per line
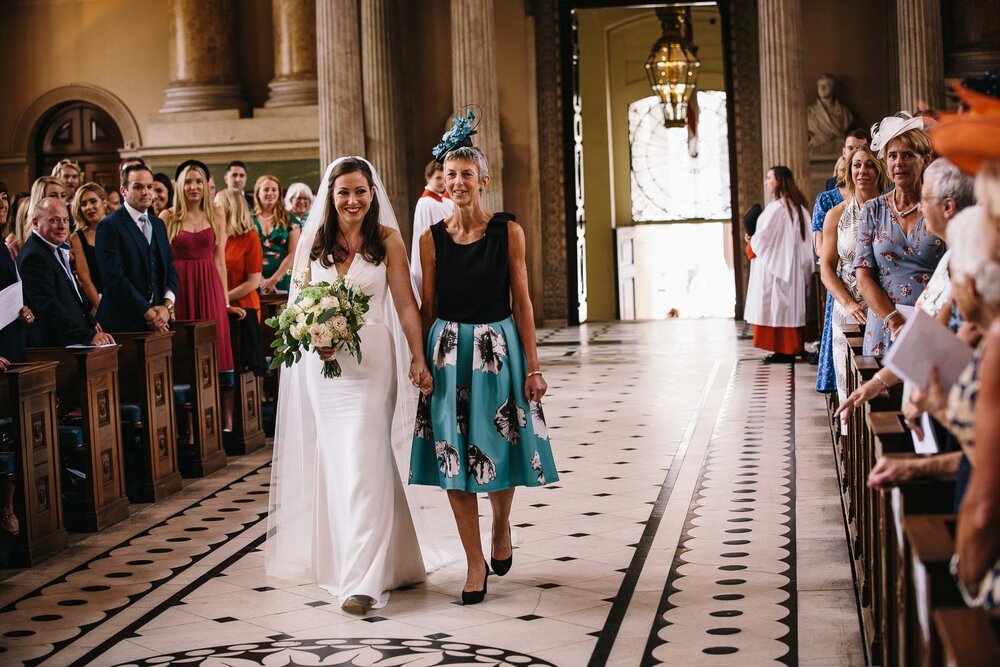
(885, 321)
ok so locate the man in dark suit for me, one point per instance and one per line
(61, 309)
(137, 266)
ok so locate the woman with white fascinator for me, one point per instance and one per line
(339, 515)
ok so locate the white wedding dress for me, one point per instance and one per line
(364, 542)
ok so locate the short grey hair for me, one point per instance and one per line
(472, 154)
(947, 182)
(294, 190)
(41, 209)
(972, 239)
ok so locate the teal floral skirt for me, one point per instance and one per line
(477, 432)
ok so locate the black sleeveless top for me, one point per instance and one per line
(473, 280)
(91, 254)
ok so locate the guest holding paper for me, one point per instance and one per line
(12, 336)
(896, 253)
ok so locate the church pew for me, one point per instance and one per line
(931, 539)
(248, 431)
(147, 379)
(87, 385)
(196, 373)
(28, 408)
(969, 637)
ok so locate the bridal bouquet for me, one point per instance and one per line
(323, 315)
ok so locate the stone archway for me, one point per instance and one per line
(21, 142)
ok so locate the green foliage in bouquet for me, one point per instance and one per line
(323, 315)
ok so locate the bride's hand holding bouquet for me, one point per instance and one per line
(324, 318)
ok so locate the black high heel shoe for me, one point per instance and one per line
(502, 567)
(475, 597)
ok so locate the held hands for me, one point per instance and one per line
(25, 315)
(237, 311)
(421, 377)
(267, 285)
(535, 387)
(101, 338)
(157, 318)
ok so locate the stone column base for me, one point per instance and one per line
(292, 93)
(202, 97)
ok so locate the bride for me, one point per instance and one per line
(338, 512)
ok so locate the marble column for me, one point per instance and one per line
(385, 140)
(782, 97)
(474, 81)
(921, 54)
(203, 62)
(338, 61)
(294, 82)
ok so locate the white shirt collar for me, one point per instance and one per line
(50, 243)
(134, 213)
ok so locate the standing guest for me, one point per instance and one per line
(130, 162)
(45, 186)
(244, 267)
(867, 178)
(896, 253)
(163, 193)
(196, 229)
(853, 140)
(113, 201)
(13, 336)
(481, 348)
(236, 179)
(298, 200)
(433, 206)
(70, 173)
(137, 267)
(780, 271)
(279, 233)
(89, 209)
(50, 290)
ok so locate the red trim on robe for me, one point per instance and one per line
(783, 340)
(433, 195)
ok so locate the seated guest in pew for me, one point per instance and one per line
(945, 192)
(89, 208)
(50, 289)
(244, 272)
(137, 266)
(896, 253)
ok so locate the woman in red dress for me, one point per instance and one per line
(197, 235)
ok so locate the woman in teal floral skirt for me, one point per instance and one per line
(482, 429)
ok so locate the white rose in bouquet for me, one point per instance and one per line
(298, 330)
(306, 302)
(328, 302)
(338, 324)
(321, 335)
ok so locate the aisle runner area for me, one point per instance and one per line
(655, 426)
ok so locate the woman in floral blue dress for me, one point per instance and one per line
(482, 429)
(896, 253)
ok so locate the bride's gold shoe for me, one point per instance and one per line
(358, 604)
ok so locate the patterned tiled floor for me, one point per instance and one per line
(695, 522)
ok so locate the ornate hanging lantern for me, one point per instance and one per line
(672, 66)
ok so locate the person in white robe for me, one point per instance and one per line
(433, 206)
(780, 269)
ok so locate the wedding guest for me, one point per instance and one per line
(279, 233)
(113, 201)
(70, 173)
(433, 206)
(137, 267)
(18, 225)
(236, 179)
(163, 193)
(46, 186)
(780, 270)
(50, 290)
(896, 253)
(867, 178)
(89, 209)
(298, 200)
(244, 265)
(130, 162)
(196, 229)
(481, 348)
(13, 337)
(853, 140)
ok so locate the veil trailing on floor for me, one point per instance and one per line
(289, 548)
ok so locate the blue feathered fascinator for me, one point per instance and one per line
(462, 128)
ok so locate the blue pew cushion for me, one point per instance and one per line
(130, 413)
(181, 393)
(70, 436)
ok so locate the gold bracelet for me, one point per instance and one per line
(534, 373)
(884, 383)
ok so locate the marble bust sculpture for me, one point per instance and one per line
(827, 120)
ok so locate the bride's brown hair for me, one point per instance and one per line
(327, 248)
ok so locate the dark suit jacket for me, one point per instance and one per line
(13, 336)
(62, 317)
(124, 257)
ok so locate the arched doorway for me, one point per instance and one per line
(83, 132)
